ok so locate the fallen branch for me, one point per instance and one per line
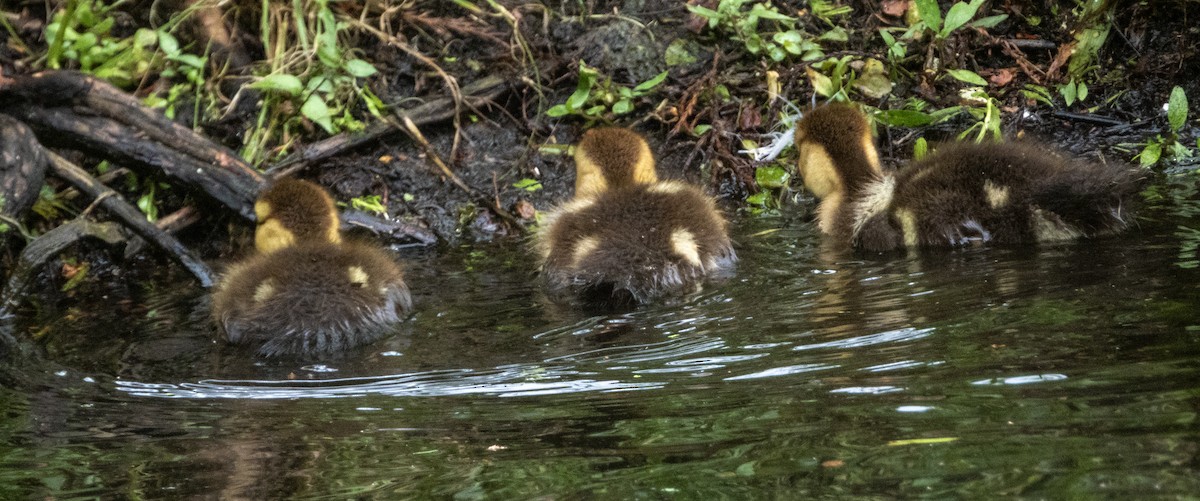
(131, 217)
(120, 128)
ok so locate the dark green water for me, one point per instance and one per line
(1069, 371)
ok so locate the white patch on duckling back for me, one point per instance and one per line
(997, 196)
(583, 247)
(667, 187)
(358, 276)
(908, 225)
(684, 244)
(875, 198)
(264, 291)
(1048, 227)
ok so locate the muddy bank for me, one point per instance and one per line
(716, 99)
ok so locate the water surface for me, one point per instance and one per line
(1064, 371)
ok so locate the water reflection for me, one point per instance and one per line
(956, 374)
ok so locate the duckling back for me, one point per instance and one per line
(306, 292)
(312, 299)
(1011, 193)
(628, 238)
(635, 244)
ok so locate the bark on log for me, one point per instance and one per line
(22, 167)
(126, 131)
(74, 110)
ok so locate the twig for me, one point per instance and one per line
(479, 91)
(479, 197)
(130, 216)
(1088, 118)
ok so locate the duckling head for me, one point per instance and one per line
(611, 157)
(836, 151)
(292, 211)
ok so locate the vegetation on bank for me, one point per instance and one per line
(725, 76)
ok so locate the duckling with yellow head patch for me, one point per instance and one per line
(306, 292)
(966, 193)
(628, 238)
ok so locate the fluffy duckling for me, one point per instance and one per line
(1009, 193)
(306, 292)
(628, 238)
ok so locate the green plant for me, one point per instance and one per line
(527, 184)
(369, 203)
(309, 69)
(1160, 147)
(733, 17)
(772, 179)
(597, 97)
(959, 16)
(987, 117)
(81, 32)
(1072, 91)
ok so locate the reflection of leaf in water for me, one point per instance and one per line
(1189, 242)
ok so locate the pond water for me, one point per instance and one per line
(1064, 371)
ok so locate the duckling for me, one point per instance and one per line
(628, 238)
(306, 292)
(1003, 193)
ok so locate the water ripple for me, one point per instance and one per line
(892, 336)
(502, 382)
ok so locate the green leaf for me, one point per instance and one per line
(967, 76)
(1150, 154)
(370, 203)
(904, 118)
(820, 83)
(699, 130)
(527, 184)
(771, 177)
(759, 199)
(920, 149)
(168, 43)
(316, 110)
(837, 34)
(1069, 92)
(558, 110)
(930, 14)
(360, 69)
(622, 107)
(678, 53)
(191, 60)
(791, 41)
(989, 22)
(958, 15)
(287, 84)
(1177, 108)
(651, 83)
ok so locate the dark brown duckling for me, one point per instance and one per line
(306, 292)
(628, 238)
(965, 193)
